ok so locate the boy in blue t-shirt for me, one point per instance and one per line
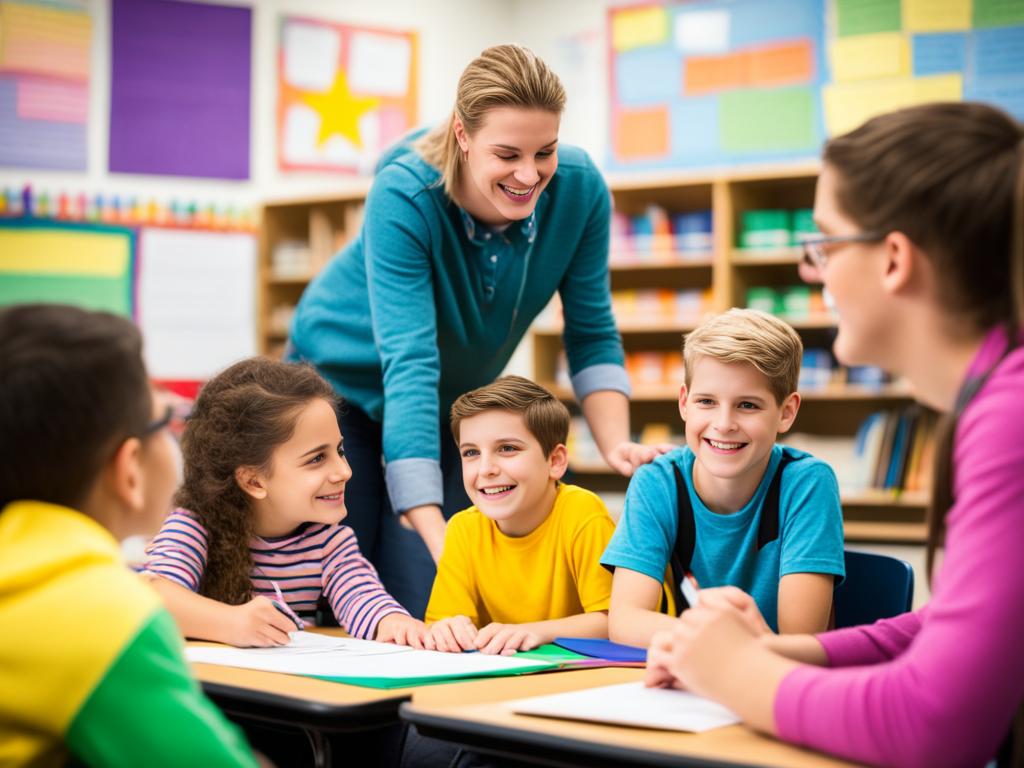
(731, 507)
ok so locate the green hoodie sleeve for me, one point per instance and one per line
(147, 710)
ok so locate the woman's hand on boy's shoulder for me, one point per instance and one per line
(451, 635)
(626, 457)
(402, 629)
(506, 639)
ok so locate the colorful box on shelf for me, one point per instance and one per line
(658, 236)
(660, 305)
(763, 229)
(774, 229)
(793, 302)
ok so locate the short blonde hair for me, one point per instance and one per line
(748, 336)
(545, 415)
(501, 76)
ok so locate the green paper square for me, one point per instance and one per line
(768, 120)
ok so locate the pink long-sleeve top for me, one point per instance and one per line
(939, 687)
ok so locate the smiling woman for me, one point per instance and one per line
(470, 229)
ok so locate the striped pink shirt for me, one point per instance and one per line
(315, 560)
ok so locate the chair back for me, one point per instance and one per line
(876, 587)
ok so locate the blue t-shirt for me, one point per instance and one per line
(810, 528)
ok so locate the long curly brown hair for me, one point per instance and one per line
(240, 417)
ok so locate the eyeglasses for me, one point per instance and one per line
(157, 424)
(816, 246)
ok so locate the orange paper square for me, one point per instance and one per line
(782, 64)
(708, 74)
(642, 133)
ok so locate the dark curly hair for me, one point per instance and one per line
(240, 417)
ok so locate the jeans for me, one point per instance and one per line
(398, 553)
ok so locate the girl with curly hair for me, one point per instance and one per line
(256, 544)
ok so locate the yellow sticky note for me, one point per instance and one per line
(94, 254)
(639, 27)
(847, 105)
(869, 57)
(936, 15)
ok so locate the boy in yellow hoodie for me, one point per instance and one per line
(92, 662)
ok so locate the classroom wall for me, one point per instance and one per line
(570, 36)
(451, 33)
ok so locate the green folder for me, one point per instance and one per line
(548, 657)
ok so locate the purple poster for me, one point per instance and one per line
(179, 89)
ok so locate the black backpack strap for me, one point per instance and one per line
(686, 541)
(768, 530)
(686, 531)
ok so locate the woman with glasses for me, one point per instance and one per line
(922, 250)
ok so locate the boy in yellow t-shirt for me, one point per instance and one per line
(521, 567)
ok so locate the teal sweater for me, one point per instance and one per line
(428, 303)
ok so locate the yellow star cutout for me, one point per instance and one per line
(340, 111)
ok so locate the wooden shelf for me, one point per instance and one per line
(767, 257)
(888, 532)
(811, 323)
(637, 325)
(670, 393)
(877, 498)
(289, 279)
(658, 264)
(651, 180)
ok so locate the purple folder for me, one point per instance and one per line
(602, 649)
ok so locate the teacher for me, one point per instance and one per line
(468, 233)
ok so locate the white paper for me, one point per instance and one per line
(312, 654)
(197, 301)
(631, 704)
(311, 55)
(702, 31)
(379, 64)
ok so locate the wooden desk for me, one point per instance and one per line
(477, 715)
(317, 707)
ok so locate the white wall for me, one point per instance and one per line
(570, 36)
(451, 33)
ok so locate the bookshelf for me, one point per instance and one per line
(297, 238)
(724, 275)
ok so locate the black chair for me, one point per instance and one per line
(876, 587)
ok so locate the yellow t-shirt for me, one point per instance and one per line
(550, 573)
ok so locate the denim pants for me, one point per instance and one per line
(398, 553)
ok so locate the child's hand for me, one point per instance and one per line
(506, 639)
(704, 646)
(452, 635)
(659, 657)
(719, 597)
(257, 623)
(401, 629)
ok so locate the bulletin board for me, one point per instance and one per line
(345, 93)
(44, 84)
(180, 82)
(90, 266)
(725, 82)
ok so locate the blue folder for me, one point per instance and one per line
(602, 649)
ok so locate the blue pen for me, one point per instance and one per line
(284, 608)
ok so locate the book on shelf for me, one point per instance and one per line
(658, 235)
